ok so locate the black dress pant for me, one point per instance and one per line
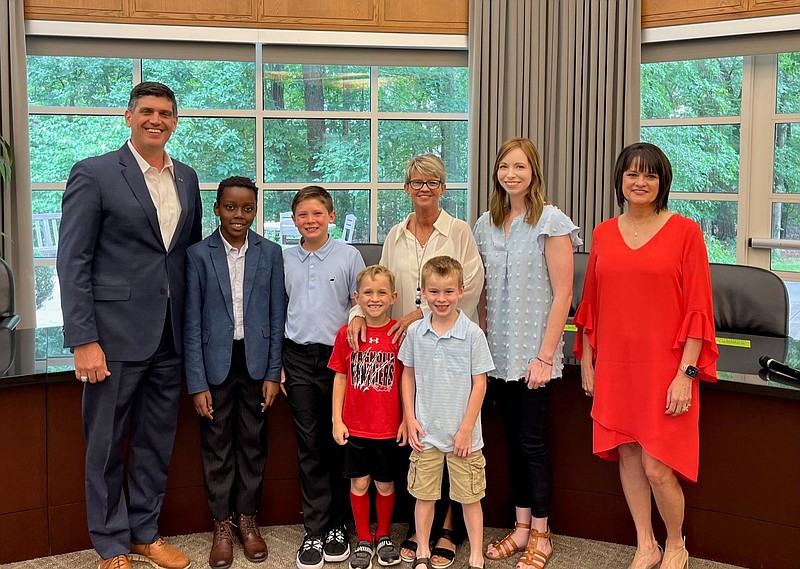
(525, 414)
(234, 443)
(309, 387)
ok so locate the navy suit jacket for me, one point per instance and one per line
(117, 276)
(208, 323)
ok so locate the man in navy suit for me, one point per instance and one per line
(127, 218)
(233, 336)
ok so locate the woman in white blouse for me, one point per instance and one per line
(427, 232)
(527, 249)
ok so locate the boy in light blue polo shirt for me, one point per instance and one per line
(446, 358)
(320, 278)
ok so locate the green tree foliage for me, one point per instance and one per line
(309, 146)
(205, 84)
(705, 158)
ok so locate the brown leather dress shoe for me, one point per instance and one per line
(255, 549)
(160, 555)
(116, 562)
(221, 556)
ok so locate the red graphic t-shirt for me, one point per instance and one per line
(372, 398)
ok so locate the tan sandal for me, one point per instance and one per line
(641, 557)
(533, 556)
(506, 547)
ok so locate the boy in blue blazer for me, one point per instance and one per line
(233, 337)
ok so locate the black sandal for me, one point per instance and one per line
(411, 545)
(448, 554)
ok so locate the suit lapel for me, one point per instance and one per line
(220, 262)
(133, 175)
(251, 260)
(180, 187)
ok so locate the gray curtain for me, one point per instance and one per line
(16, 197)
(564, 73)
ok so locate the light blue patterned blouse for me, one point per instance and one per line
(518, 290)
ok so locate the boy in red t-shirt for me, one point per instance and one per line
(367, 415)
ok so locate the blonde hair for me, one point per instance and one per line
(443, 266)
(428, 165)
(499, 202)
(374, 271)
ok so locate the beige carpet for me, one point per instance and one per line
(283, 541)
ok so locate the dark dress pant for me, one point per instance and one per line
(526, 415)
(234, 443)
(138, 400)
(309, 387)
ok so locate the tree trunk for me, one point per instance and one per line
(314, 101)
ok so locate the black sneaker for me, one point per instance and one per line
(388, 554)
(336, 547)
(309, 556)
(362, 556)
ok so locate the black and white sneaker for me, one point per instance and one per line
(387, 552)
(337, 547)
(309, 556)
(362, 556)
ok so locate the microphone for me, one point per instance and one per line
(778, 378)
(779, 367)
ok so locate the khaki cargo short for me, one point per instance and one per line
(467, 475)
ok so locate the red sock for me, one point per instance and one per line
(384, 506)
(360, 505)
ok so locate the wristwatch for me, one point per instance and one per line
(689, 370)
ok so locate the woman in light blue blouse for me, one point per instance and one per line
(527, 249)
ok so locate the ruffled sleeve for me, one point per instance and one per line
(586, 314)
(556, 223)
(698, 306)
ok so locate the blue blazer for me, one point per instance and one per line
(208, 321)
(117, 275)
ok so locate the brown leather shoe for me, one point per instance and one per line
(221, 556)
(116, 562)
(160, 555)
(255, 549)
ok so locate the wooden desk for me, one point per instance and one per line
(748, 490)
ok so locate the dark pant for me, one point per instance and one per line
(234, 442)
(309, 387)
(140, 399)
(525, 414)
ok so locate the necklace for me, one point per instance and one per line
(418, 298)
(635, 230)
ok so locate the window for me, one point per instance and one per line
(731, 127)
(254, 111)
(353, 129)
(692, 111)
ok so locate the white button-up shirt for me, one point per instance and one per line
(161, 186)
(235, 259)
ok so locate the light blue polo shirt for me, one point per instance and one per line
(320, 287)
(443, 369)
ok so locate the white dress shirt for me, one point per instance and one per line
(235, 259)
(161, 186)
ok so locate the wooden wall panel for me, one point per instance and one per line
(356, 15)
(23, 467)
(79, 10)
(217, 12)
(423, 15)
(317, 14)
(657, 13)
(65, 446)
(24, 535)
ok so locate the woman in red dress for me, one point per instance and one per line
(645, 338)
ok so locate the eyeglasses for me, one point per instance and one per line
(432, 184)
